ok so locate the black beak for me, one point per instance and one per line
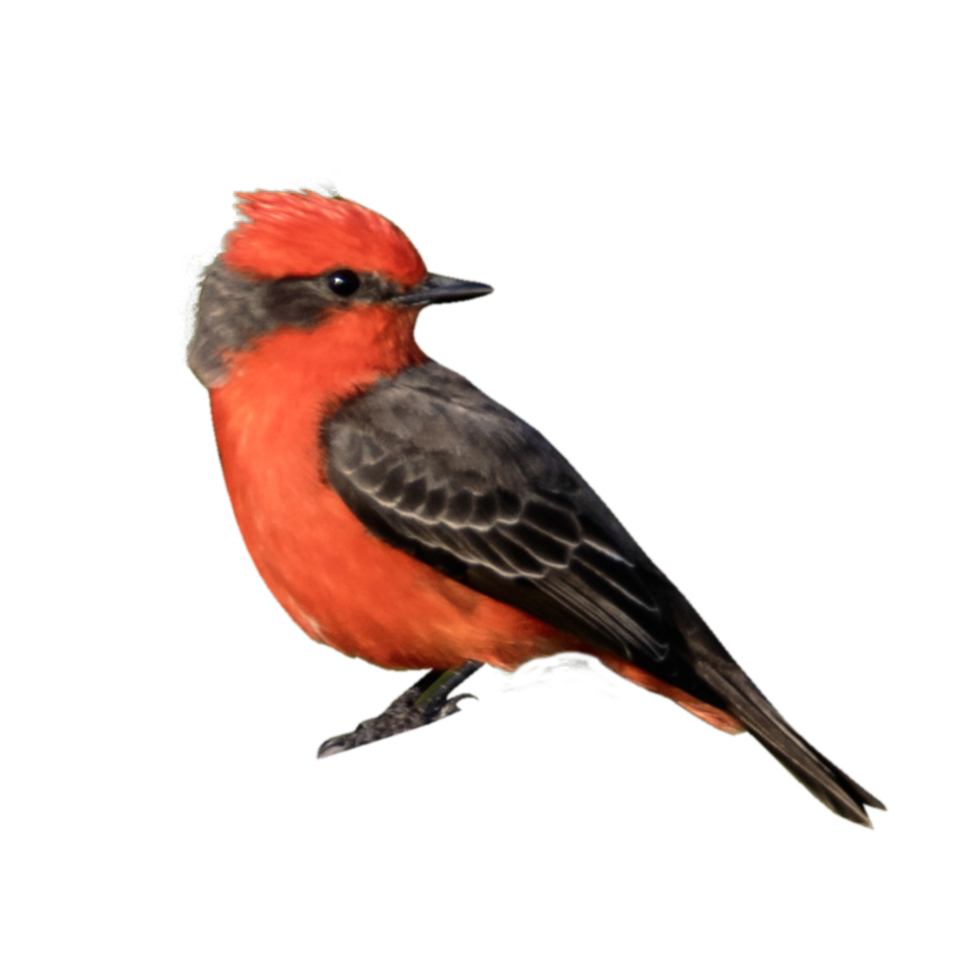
(442, 289)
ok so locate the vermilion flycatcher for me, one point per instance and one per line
(402, 516)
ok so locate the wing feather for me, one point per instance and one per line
(436, 468)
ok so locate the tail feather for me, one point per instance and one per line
(834, 788)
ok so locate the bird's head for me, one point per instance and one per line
(300, 261)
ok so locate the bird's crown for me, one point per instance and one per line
(302, 233)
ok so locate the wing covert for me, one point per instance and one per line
(436, 468)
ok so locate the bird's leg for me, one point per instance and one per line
(424, 702)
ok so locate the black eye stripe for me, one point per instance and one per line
(306, 300)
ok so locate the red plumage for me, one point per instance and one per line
(302, 234)
(400, 515)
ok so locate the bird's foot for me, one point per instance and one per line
(411, 710)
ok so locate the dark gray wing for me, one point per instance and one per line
(437, 469)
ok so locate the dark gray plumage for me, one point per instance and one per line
(430, 462)
(437, 469)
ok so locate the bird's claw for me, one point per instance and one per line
(413, 709)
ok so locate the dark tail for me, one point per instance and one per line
(819, 775)
(728, 687)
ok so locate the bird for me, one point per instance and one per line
(402, 516)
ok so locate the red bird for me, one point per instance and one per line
(402, 516)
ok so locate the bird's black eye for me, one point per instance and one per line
(344, 282)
